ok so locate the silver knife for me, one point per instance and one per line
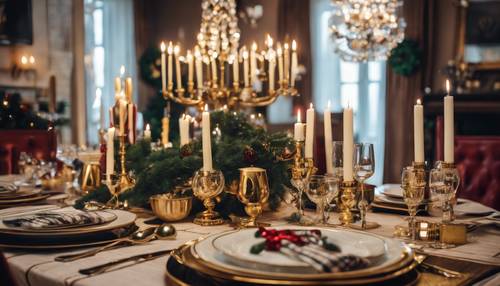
(103, 267)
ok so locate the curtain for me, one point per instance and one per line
(293, 23)
(402, 92)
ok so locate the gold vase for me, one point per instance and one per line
(253, 192)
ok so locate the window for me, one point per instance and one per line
(360, 85)
(109, 26)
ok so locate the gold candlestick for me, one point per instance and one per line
(302, 170)
(348, 201)
(125, 182)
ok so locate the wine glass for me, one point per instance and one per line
(316, 190)
(332, 184)
(364, 167)
(413, 185)
(337, 159)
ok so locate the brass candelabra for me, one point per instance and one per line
(125, 182)
(348, 201)
(302, 170)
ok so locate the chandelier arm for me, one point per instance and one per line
(183, 101)
(260, 101)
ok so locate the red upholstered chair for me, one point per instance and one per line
(478, 161)
(41, 144)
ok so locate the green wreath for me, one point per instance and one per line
(405, 59)
(150, 66)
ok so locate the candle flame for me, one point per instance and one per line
(24, 60)
(163, 47)
(189, 56)
(206, 108)
(294, 45)
(245, 54)
(122, 70)
(197, 52)
(147, 127)
(170, 48)
(254, 46)
(224, 107)
(419, 101)
(298, 116)
(279, 51)
(447, 86)
(328, 105)
(286, 46)
(311, 105)
(176, 49)
(32, 59)
(269, 41)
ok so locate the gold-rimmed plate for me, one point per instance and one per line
(204, 252)
(25, 200)
(123, 219)
(196, 264)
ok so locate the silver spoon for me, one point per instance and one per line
(139, 236)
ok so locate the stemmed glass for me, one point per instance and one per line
(364, 167)
(337, 159)
(413, 185)
(332, 184)
(443, 183)
(316, 190)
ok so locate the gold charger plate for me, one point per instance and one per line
(221, 273)
(31, 199)
(405, 259)
(131, 217)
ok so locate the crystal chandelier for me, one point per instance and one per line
(220, 73)
(366, 30)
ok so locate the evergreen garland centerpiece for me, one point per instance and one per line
(239, 144)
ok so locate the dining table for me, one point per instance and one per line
(479, 258)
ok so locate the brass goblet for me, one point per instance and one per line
(253, 191)
(206, 186)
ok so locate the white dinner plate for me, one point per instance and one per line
(391, 190)
(392, 252)
(123, 218)
(468, 207)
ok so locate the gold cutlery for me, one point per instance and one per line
(436, 269)
(163, 232)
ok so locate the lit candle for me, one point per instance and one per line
(299, 128)
(418, 132)
(163, 68)
(199, 67)
(189, 58)
(206, 140)
(170, 50)
(110, 153)
(309, 132)
(348, 144)
(147, 133)
(178, 67)
(184, 130)
(327, 119)
(286, 55)
(236, 69)
(449, 144)
(272, 67)
(253, 63)
(245, 68)
(294, 63)
(280, 62)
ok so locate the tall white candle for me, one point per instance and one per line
(449, 144)
(294, 63)
(299, 128)
(147, 133)
(206, 140)
(418, 132)
(118, 85)
(170, 51)
(245, 68)
(184, 129)
(253, 63)
(287, 62)
(110, 153)
(309, 132)
(178, 67)
(327, 119)
(199, 67)
(272, 67)
(189, 58)
(236, 69)
(163, 68)
(214, 68)
(348, 145)
(279, 51)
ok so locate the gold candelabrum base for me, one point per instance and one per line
(347, 202)
(125, 182)
(302, 167)
(207, 185)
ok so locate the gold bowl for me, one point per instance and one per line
(168, 208)
(53, 183)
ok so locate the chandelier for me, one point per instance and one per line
(365, 30)
(220, 72)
